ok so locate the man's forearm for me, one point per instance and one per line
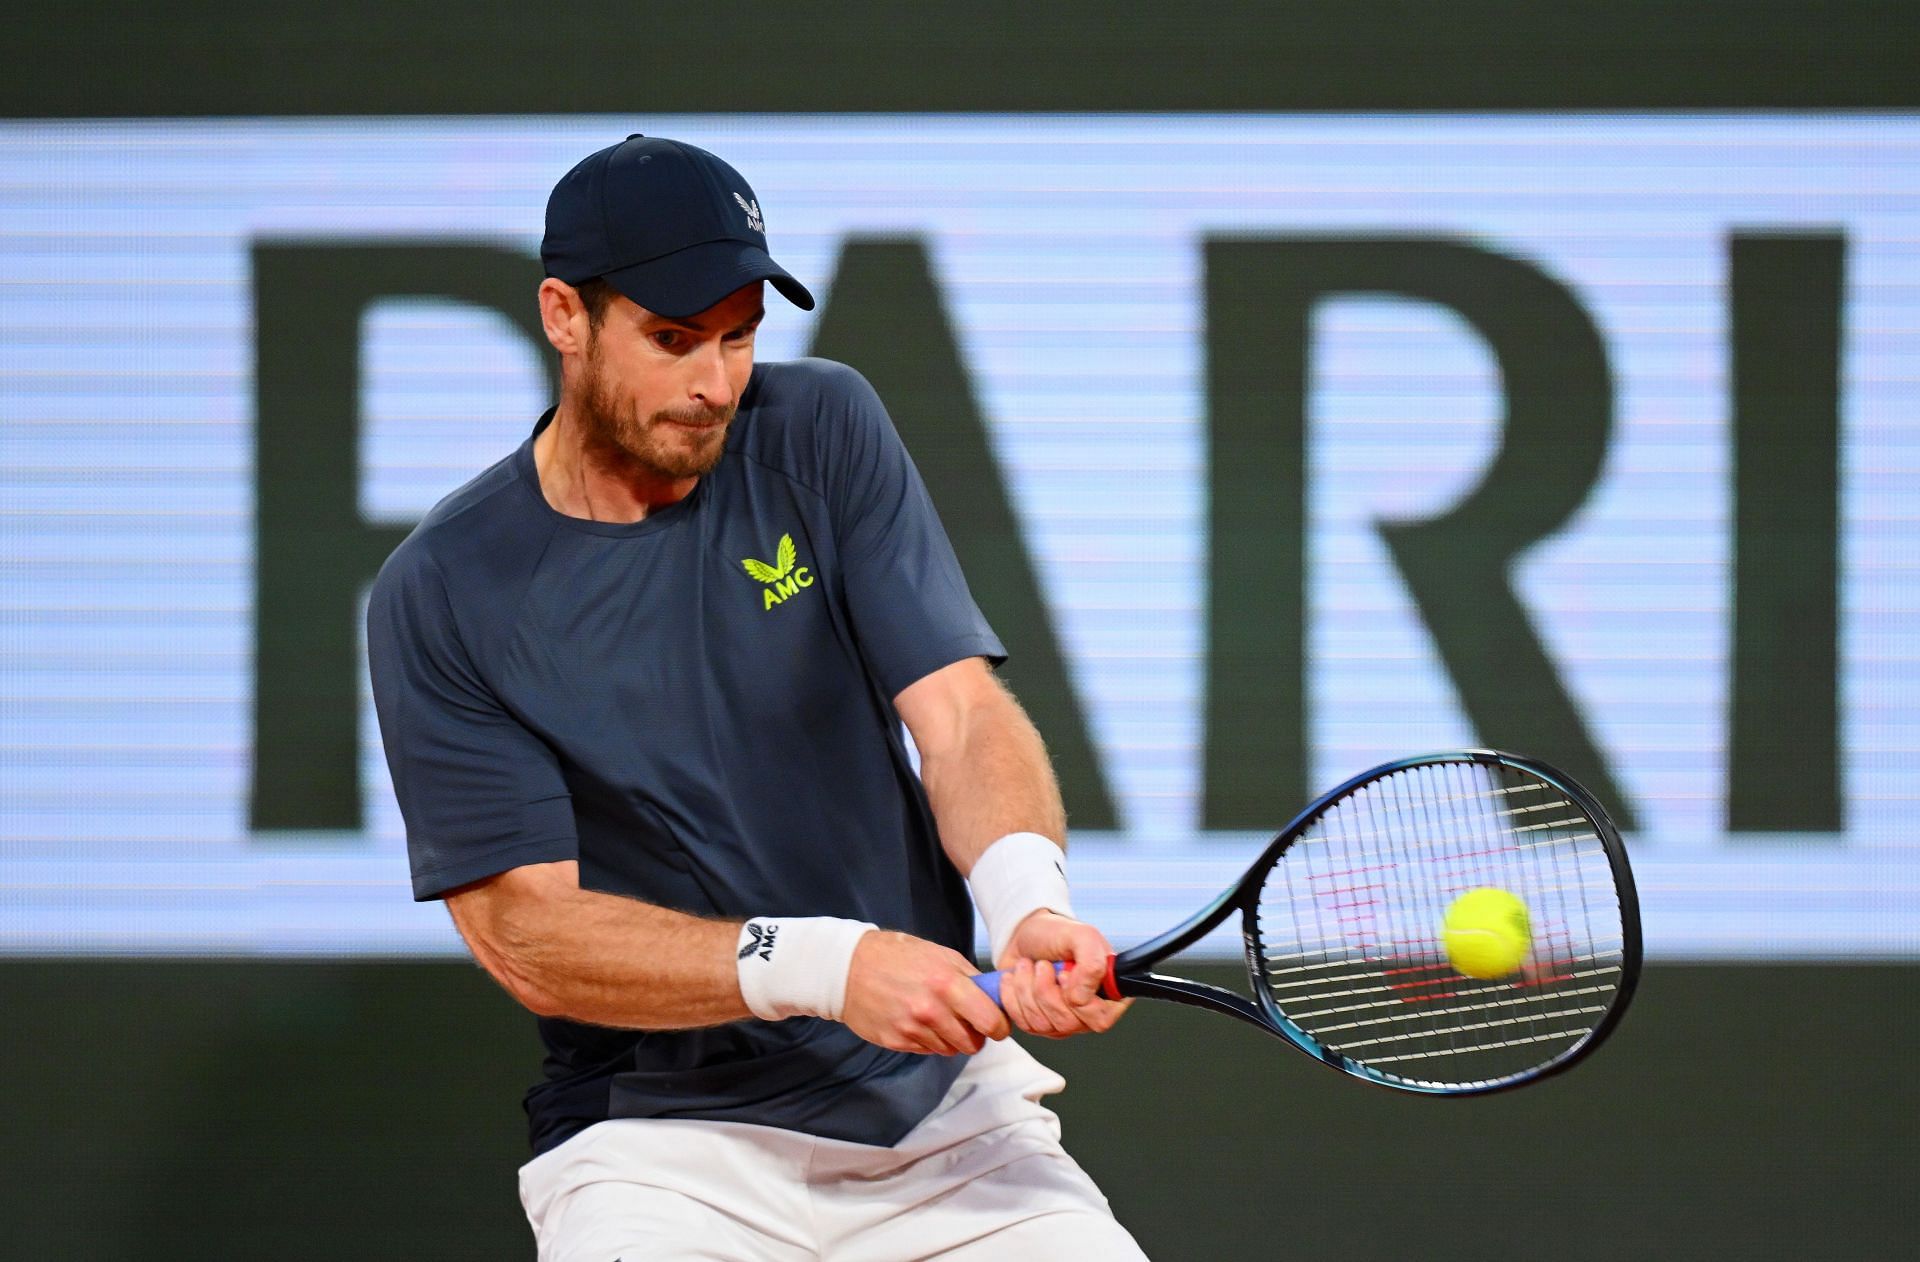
(992, 778)
(600, 958)
(567, 952)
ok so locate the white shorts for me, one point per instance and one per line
(982, 1177)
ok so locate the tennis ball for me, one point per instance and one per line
(1487, 933)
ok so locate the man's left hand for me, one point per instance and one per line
(1058, 1006)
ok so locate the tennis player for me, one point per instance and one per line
(641, 686)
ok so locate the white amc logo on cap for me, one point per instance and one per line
(753, 213)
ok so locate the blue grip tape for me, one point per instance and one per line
(990, 982)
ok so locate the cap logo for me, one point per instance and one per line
(753, 213)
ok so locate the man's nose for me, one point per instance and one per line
(711, 385)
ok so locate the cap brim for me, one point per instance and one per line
(689, 281)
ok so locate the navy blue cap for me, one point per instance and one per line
(670, 226)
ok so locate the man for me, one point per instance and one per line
(641, 687)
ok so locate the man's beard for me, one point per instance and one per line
(619, 441)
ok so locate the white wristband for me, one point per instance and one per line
(797, 967)
(1018, 875)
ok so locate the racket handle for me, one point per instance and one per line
(990, 982)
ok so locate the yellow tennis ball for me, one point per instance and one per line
(1487, 933)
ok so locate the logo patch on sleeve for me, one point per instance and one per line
(783, 578)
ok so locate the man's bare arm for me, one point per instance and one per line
(984, 766)
(606, 960)
(987, 775)
(567, 952)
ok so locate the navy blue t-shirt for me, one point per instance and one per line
(698, 708)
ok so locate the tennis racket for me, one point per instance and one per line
(1343, 920)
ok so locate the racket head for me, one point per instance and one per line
(1343, 922)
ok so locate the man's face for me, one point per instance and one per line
(657, 395)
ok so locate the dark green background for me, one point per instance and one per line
(330, 1111)
(122, 58)
(326, 1110)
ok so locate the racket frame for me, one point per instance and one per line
(1129, 975)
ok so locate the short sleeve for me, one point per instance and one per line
(479, 792)
(908, 599)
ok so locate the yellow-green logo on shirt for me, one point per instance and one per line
(782, 578)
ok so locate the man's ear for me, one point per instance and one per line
(563, 316)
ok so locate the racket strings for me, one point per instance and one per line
(1349, 924)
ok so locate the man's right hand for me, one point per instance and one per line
(910, 995)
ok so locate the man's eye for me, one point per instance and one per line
(666, 339)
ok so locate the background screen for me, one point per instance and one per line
(239, 357)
